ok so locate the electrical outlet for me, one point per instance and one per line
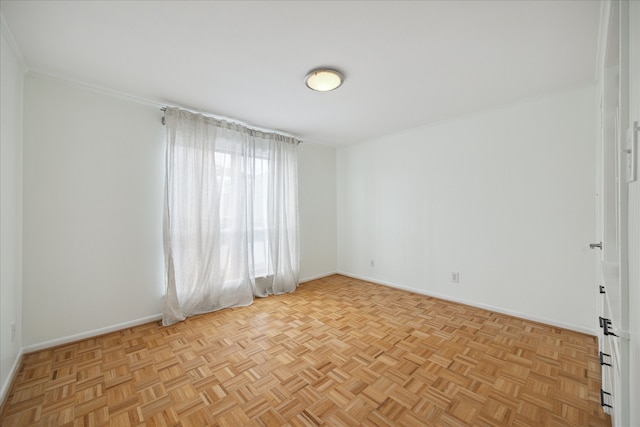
(13, 331)
(372, 263)
(455, 277)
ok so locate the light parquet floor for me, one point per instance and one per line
(338, 351)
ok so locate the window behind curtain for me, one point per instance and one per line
(231, 215)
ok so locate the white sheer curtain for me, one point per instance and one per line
(231, 215)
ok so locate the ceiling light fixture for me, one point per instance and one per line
(324, 79)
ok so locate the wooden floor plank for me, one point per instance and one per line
(338, 352)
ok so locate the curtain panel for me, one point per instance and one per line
(230, 215)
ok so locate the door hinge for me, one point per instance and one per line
(605, 324)
(602, 402)
(602, 362)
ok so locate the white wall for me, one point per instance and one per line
(93, 194)
(317, 210)
(11, 82)
(503, 197)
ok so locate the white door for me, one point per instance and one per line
(611, 248)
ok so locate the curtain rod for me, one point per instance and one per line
(224, 119)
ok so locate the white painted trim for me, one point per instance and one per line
(4, 27)
(153, 102)
(90, 334)
(12, 373)
(317, 276)
(603, 33)
(472, 114)
(501, 310)
(100, 331)
(99, 89)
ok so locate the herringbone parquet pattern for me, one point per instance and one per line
(338, 351)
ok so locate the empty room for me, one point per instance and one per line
(305, 213)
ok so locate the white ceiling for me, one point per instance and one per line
(406, 63)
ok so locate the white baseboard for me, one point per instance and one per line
(12, 373)
(317, 276)
(502, 310)
(90, 334)
(119, 326)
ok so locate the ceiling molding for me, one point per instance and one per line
(97, 89)
(8, 35)
(603, 31)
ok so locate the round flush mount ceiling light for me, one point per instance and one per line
(324, 79)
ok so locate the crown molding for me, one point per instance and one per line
(603, 35)
(8, 35)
